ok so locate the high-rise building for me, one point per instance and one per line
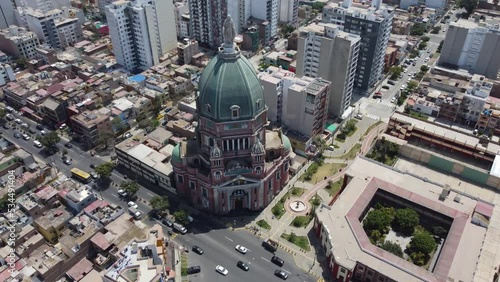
(472, 46)
(207, 16)
(289, 12)
(373, 24)
(323, 50)
(7, 16)
(181, 10)
(6, 74)
(299, 104)
(234, 162)
(43, 24)
(19, 42)
(43, 5)
(141, 31)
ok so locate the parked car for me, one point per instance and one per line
(43, 132)
(32, 131)
(9, 117)
(68, 145)
(122, 193)
(168, 222)
(358, 116)
(67, 161)
(132, 205)
(39, 127)
(386, 87)
(221, 270)
(128, 135)
(24, 125)
(242, 265)
(26, 137)
(37, 144)
(281, 274)
(241, 249)
(6, 126)
(391, 82)
(278, 261)
(94, 175)
(198, 250)
(92, 165)
(393, 100)
(17, 135)
(18, 121)
(194, 269)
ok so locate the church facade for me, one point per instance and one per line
(234, 162)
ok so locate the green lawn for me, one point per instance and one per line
(296, 191)
(301, 221)
(300, 241)
(279, 209)
(418, 115)
(352, 153)
(184, 264)
(335, 187)
(372, 127)
(262, 223)
(326, 170)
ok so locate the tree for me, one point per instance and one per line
(21, 62)
(321, 143)
(318, 6)
(422, 45)
(422, 242)
(405, 220)
(414, 53)
(412, 85)
(424, 68)
(425, 38)
(158, 102)
(440, 46)
(160, 204)
(181, 216)
(4, 203)
(395, 72)
(130, 187)
(118, 124)
(439, 231)
(392, 248)
(468, 5)
(49, 140)
(378, 219)
(436, 29)
(104, 170)
(287, 30)
(3, 113)
(292, 237)
(418, 29)
(104, 137)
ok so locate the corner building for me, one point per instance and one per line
(233, 162)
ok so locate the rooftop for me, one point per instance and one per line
(80, 269)
(53, 218)
(460, 251)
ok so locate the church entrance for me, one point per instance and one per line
(239, 200)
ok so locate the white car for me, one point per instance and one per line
(18, 121)
(122, 193)
(241, 249)
(37, 144)
(43, 132)
(393, 100)
(132, 205)
(26, 137)
(221, 270)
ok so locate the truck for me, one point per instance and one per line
(134, 212)
(180, 228)
(270, 245)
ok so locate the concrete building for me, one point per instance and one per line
(181, 10)
(52, 224)
(6, 74)
(323, 50)
(43, 5)
(18, 42)
(299, 104)
(7, 15)
(186, 50)
(141, 31)
(79, 198)
(90, 124)
(69, 31)
(289, 12)
(43, 24)
(352, 257)
(267, 10)
(472, 46)
(234, 163)
(373, 24)
(438, 5)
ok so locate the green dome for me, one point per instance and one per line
(176, 153)
(286, 142)
(230, 80)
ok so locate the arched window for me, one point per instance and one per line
(211, 142)
(209, 108)
(218, 175)
(258, 170)
(235, 111)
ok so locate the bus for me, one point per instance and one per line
(81, 175)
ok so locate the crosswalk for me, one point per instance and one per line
(375, 117)
(387, 103)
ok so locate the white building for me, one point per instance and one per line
(7, 16)
(141, 31)
(80, 198)
(289, 12)
(19, 42)
(43, 5)
(69, 31)
(267, 10)
(181, 9)
(43, 24)
(323, 50)
(6, 74)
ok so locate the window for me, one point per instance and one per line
(180, 178)
(192, 185)
(257, 104)
(218, 175)
(209, 108)
(278, 175)
(211, 142)
(235, 112)
(342, 270)
(258, 170)
(205, 192)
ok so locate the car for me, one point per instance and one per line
(281, 274)
(68, 145)
(358, 116)
(444, 29)
(428, 50)
(9, 117)
(6, 126)
(94, 175)
(25, 125)
(122, 193)
(278, 261)
(426, 60)
(67, 162)
(386, 87)
(404, 70)
(168, 223)
(242, 265)
(409, 79)
(39, 127)
(393, 100)
(92, 165)
(132, 205)
(32, 131)
(37, 144)
(241, 249)
(391, 82)
(198, 250)
(17, 135)
(330, 148)
(43, 132)
(18, 121)
(63, 126)
(194, 269)
(26, 137)
(128, 135)
(221, 270)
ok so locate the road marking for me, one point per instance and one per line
(114, 195)
(249, 250)
(286, 271)
(265, 259)
(150, 194)
(229, 239)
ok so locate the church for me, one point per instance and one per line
(234, 162)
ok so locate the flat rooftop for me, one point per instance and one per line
(350, 244)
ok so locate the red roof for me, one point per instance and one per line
(95, 205)
(484, 209)
(80, 269)
(100, 241)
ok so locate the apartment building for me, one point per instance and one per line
(141, 31)
(373, 24)
(323, 50)
(472, 45)
(267, 10)
(43, 5)
(181, 10)
(19, 42)
(69, 31)
(289, 12)
(6, 74)
(299, 104)
(90, 124)
(7, 15)
(54, 112)
(43, 24)
(186, 50)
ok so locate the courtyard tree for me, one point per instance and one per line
(378, 219)
(412, 85)
(160, 204)
(406, 220)
(393, 248)
(418, 29)
(422, 242)
(118, 124)
(425, 38)
(105, 137)
(130, 187)
(468, 5)
(422, 45)
(436, 29)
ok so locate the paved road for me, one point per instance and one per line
(219, 246)
(81, 160)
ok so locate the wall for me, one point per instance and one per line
(450, 166)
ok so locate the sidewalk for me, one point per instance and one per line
(351, 141)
